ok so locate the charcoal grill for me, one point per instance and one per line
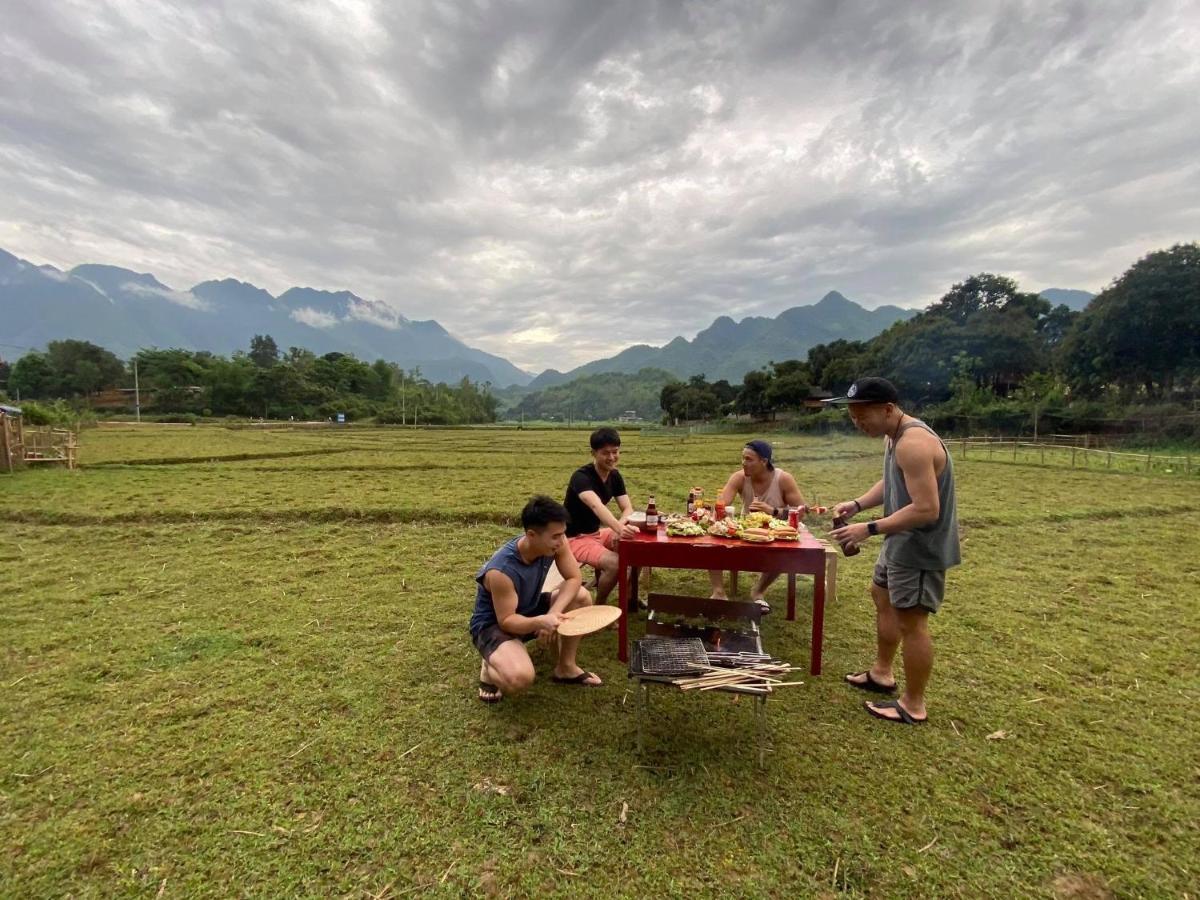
(663, 657)
(671, 656)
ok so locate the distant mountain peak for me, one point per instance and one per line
(123, 311)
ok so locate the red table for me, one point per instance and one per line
(803, 557)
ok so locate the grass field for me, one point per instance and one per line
(236, 663)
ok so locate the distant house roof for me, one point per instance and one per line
(10, 410)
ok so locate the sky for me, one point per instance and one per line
(553, 181)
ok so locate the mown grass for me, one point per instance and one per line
(253, 677)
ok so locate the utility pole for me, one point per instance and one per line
(137, 394)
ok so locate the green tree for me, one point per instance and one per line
(263, 351)
(1142, 333)
(752, 398)
(33, 376)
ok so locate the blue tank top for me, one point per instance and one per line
(527, 578)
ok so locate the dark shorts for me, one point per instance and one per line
(488, 638)
(911, 588)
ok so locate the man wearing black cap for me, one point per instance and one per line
(920, 542)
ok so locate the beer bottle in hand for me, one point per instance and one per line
(848, 548)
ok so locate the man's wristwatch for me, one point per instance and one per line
(872, 528)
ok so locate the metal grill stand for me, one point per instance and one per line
(730, 632)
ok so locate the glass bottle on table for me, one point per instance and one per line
(651, 515)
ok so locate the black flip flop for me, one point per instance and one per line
(763, 605)
(491, 689)
(905, 716)
(580, 680)
(875, 687)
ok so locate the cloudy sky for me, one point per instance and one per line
(553, 181)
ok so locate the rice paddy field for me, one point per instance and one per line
(235, 663)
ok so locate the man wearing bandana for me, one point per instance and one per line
(763, 488)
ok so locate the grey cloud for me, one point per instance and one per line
(606, 173)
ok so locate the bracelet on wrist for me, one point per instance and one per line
(872, 527)
(857, 506)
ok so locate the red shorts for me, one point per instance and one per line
(589, 548)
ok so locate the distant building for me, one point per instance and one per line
(630, 415)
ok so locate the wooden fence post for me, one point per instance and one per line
(1072, 457)
(1147, 462)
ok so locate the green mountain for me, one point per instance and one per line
(123, 311)
(1076, 300)
(728, 349)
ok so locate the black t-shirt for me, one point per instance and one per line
(586, 478)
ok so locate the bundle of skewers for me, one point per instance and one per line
(752, 673)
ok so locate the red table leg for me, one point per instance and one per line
(818, 619)
(791, 596)
(623, 622)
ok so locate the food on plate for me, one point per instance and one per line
(756, 535)
(725, 528)
(756, 519)
(684, 528)
(787, 533)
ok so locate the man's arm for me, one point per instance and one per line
(791, 494)
(869, 500)
(592, 500)
(732, 488)
(504, 600)
(916, 460)
(572, 581)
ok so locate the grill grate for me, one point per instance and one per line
(672, 656)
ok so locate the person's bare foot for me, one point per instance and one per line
(567, 676)
(870, 680)
(718, 595)
(898, 711)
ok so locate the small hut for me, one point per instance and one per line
(20, 446)
(12, 438)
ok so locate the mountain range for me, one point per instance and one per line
(123, 311)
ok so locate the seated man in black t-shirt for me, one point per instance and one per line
(593, 530)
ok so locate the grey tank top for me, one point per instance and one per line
(933, 547)
(772, 495)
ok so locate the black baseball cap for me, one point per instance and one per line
(869, 390)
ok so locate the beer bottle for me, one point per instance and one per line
(691, 505)
(651, 515)
(848, 548)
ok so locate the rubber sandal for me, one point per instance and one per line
(875, 687)
(581, 680)
(905, 716)
(491, 689)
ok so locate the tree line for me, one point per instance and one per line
(990, 351)
(262, 382)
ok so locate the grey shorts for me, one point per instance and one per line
(909, 588)
(490, 637)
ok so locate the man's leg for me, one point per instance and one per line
(717, 578)
(509, 668)
(913, 624)
(606, 575)
(887, 639)
(765, 580)
(567, 667)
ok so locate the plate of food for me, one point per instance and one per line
(782, 531)
(684, 528)
(726, 529)
(756, 535)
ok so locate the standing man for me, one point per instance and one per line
(920, 542)
(593, 530)
(511, 608)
